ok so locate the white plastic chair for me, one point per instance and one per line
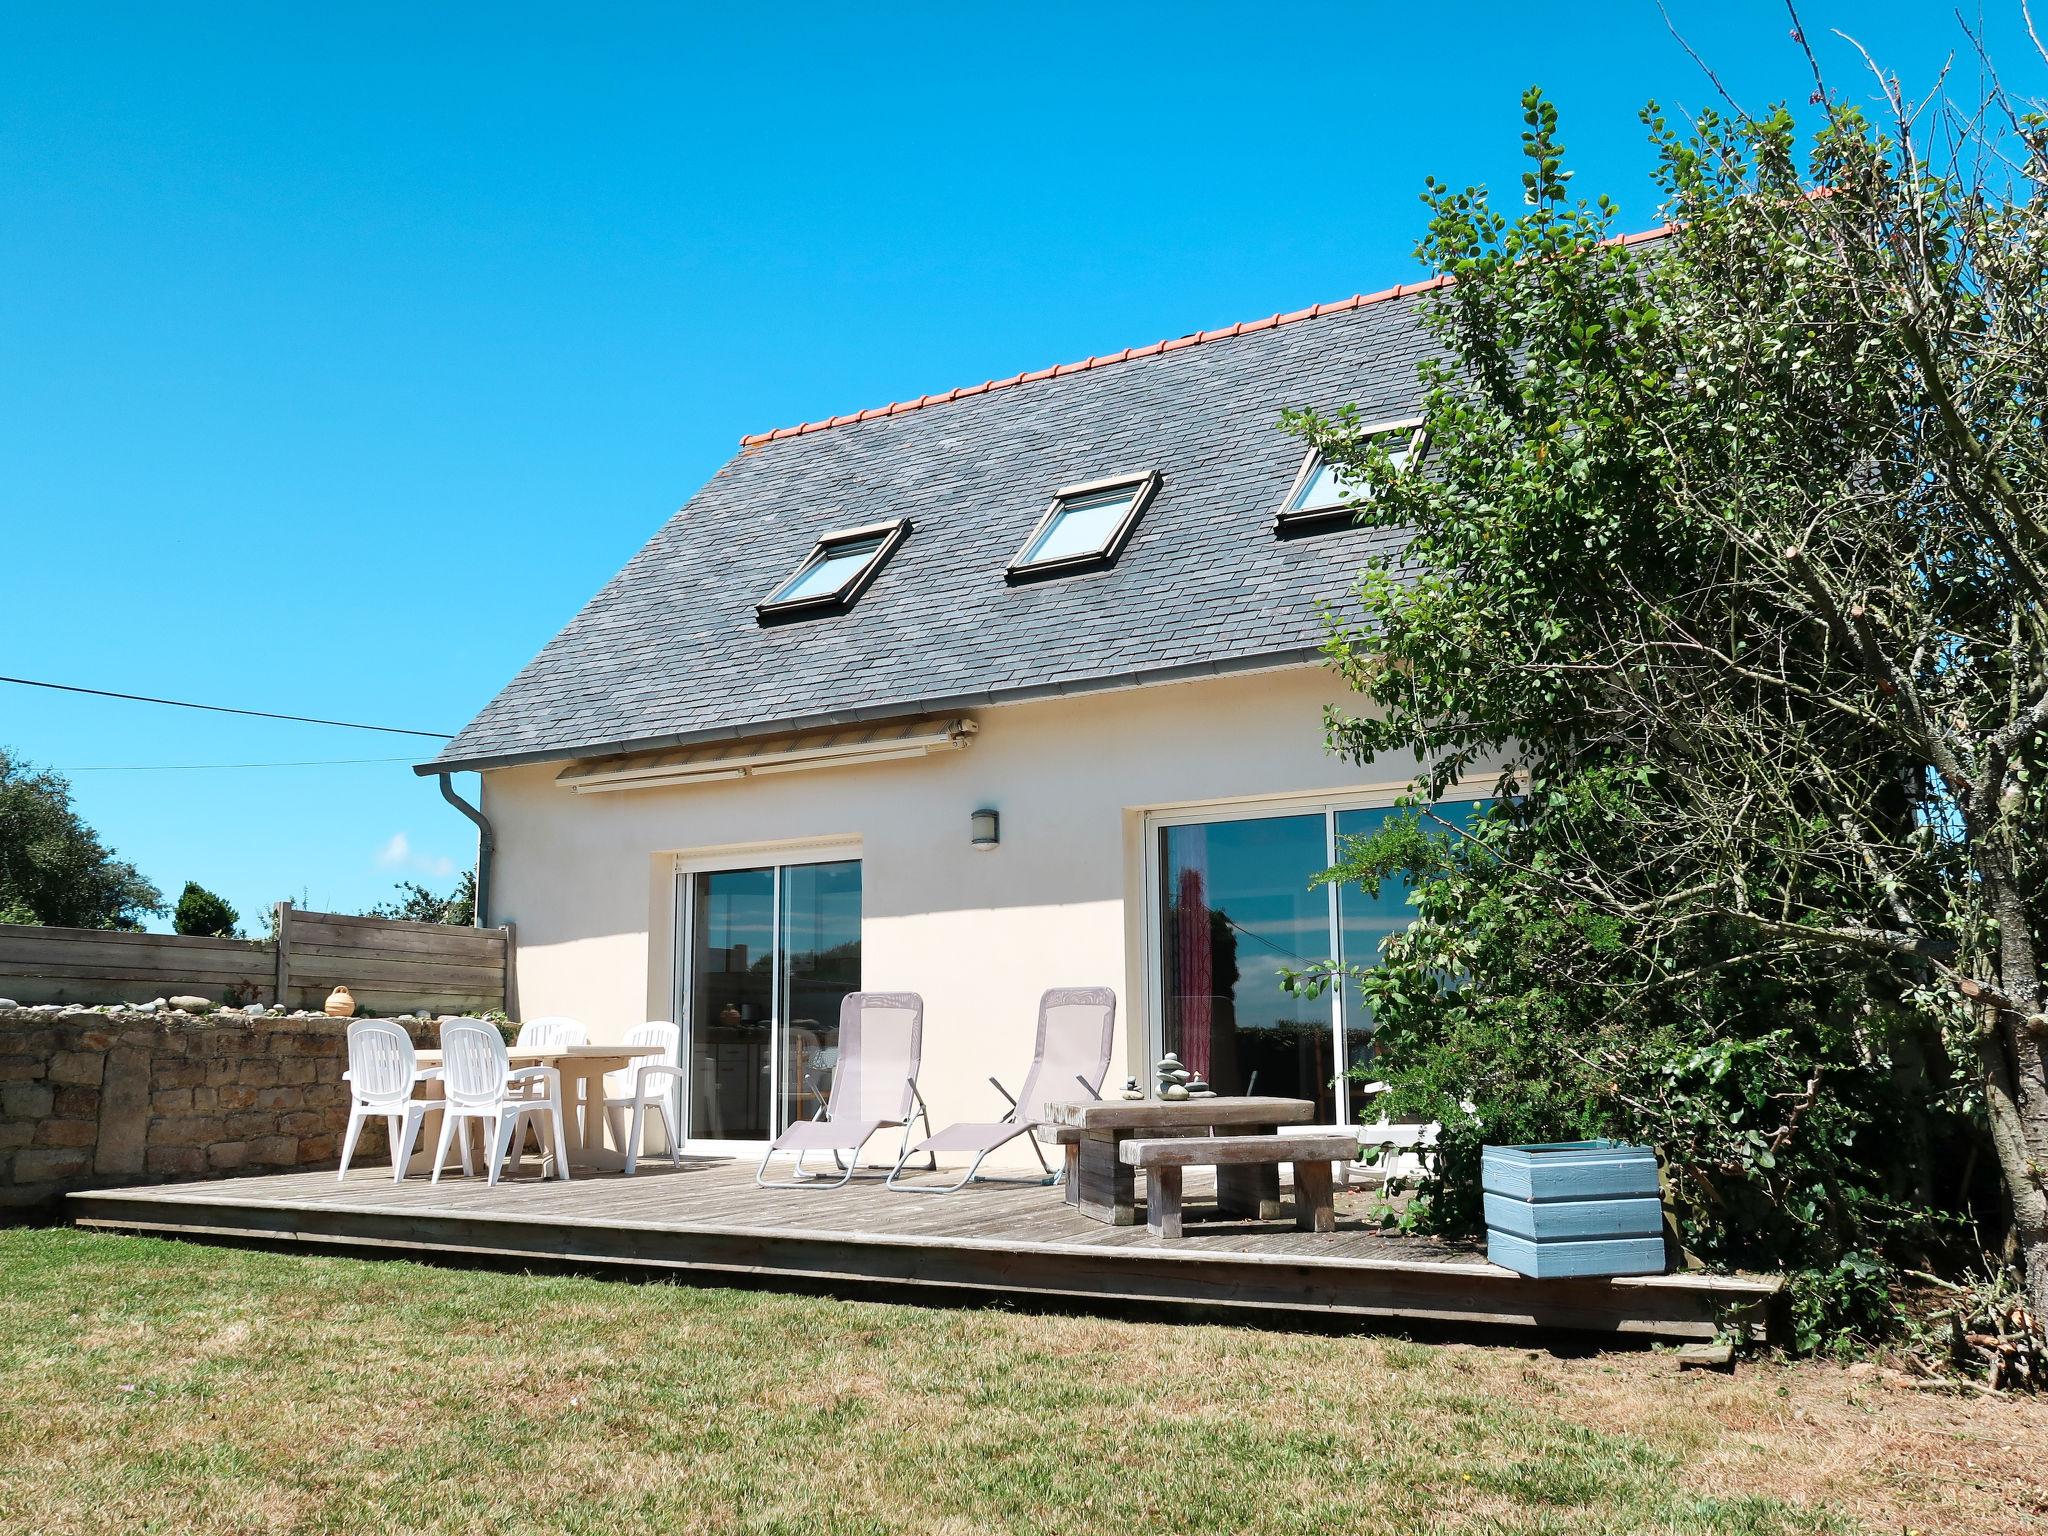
(650, 1080)
(382, 1071)
(1406, 1148)
(477, 1076)
(550, 1032)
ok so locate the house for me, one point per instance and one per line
(977, 694)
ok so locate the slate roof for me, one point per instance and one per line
(670, 651)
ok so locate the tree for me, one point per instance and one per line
(199, 911)
(53, 868)
(415, 903)
(1731, 552)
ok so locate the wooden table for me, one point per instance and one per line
(1103, 1186)
(585, 1064)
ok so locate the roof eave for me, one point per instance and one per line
(981, 698)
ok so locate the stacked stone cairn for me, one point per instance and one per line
(1176, 1082)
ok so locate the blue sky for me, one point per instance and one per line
(345, 351)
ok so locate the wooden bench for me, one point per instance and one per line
(1311, 1153)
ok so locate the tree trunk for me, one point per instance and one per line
(2014, 1061)
(2030, 1180)
(2019, 1117)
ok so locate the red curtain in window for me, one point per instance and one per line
(1193, 954)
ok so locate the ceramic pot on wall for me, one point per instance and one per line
(340, 1005)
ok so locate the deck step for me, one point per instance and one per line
(708, 1223)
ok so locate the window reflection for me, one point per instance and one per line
(1365, 922)
(1239, 907)
(820, 965)
(773, 951)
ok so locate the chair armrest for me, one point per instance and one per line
(535, 1075)
(654, 1069)
(427, 1075)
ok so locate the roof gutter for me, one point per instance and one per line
(486, 845)
(951, 704)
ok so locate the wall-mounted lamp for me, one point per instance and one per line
(987, 829)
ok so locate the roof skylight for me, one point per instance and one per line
(1086, 525)
(1318, 497)
(836, 571)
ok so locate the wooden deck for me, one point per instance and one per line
(707, 1221)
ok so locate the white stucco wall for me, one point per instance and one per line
(588, 879)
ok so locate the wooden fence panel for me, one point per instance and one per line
(458, 946)
(390, 966)
(87, 965)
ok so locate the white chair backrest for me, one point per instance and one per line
(473, 1062)
(1401, 1135)
(1405, 1148)
(382, 1065)
(657, 1032)
(552, 1033)
(619, 1084)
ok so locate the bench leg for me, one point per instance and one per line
(1162, 1201)
(1071, 1183)
(1315, 1209)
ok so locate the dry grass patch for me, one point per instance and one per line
(173, 1388)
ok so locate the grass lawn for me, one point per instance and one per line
(153, 1386)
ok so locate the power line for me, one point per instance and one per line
(320, 762)
(222, 709)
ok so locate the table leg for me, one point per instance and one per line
(574, 1084)
(1248, 1189)
(586, 1136)
(1105, 1189)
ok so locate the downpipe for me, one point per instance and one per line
(486, 844)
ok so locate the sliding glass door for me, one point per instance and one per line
(766, 953)
(819, 958)
(1236, 907)
(1238, 910)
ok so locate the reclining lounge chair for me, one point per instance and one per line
(1075, 1028)
(874, 1087)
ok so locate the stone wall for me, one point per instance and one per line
(111, 1096)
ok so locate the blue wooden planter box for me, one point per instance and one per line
(1573, 1208)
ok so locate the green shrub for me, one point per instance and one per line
(1799, 1110)
(201, 912)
